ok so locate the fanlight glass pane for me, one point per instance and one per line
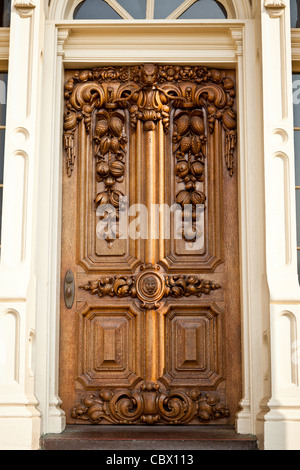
(5, 6)
(298, 215)
(297, 158)
(295, 10)
(163, 8)
(136, 8)
(3, 95)
(205, 9)
(95, 10)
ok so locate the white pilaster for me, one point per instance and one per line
(19, 415)
(282, 422)
(49, 232)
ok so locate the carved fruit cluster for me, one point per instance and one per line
(190, 151)
(119, 286)
(109, 149)
(186, 286)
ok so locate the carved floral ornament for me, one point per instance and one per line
(110, 100)
(150, 286)
(149, 92)
(149, 404)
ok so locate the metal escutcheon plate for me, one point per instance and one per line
(69, 289)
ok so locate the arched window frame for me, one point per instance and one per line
(64, 9)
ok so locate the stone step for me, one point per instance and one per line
(175, 438)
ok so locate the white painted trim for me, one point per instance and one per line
(149, 42)
(240, 9)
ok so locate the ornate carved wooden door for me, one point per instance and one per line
(150, 247)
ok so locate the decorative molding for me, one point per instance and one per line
(149, 287)
(237, 36)
(149, 91)
(275, 8)
(149, 404)
(62, 36)
(24, 7)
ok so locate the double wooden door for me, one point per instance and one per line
(150, 319)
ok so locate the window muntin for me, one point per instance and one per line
(137, 9)
(5, 6)
(205, 9)
(163, 9)
(3, 96)
(96, 10)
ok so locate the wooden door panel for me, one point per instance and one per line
(108, 351)
(194, 355)
(208, 253)
(153, 334)
(95, 253)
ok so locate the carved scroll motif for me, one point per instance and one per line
(150, 405)
(150, 287)
(149, 92)
(104, 99)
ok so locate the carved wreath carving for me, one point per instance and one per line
(150, 405)
(150, 286)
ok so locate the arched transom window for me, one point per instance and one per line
(150, 9)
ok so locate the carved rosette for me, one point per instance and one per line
(150, 287)
(150, 405)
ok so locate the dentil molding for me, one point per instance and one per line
(24, 7)
(275, 8)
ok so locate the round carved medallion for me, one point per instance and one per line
(150, 287)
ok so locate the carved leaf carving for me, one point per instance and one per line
(150, 287)
(149, 92)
